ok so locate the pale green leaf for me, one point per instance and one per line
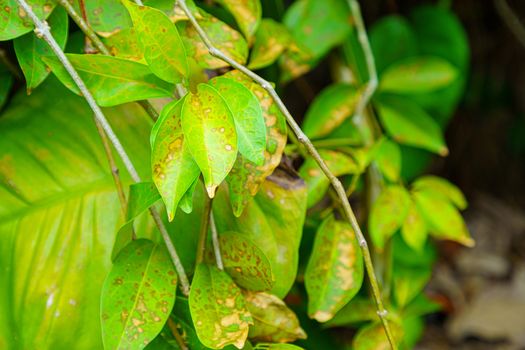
(271, 40)
(106, 17)
(358, 310)
(142, 195)
(441, 187)
(125, 44)
(414, 229)
(408, 283)
(247, 14)
(373, 336)
(186, 202)
(14, 21)
(388, 158)
(276, 346)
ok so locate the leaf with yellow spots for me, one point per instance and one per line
(125, 44)
(414, 230)
(273, 320)
(209, 131)
(247, 14)
(163, 47)
(218, 309)
(106, 17)
(334, 273)
(14, 21)
(373, 337)
(271, 40)
(173, 168)
(137, 296)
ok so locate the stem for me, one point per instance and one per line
(42, 31)
(302, 138)
(178, 338)
(216, 243)
(511, 20)
(203, 234)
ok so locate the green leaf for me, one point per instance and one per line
(106, 17)
(125, 44)
(30, 49)
(388, 158)
(182, 318)
(271, 40)
(441, 187)
(408, 283)
(373, 337)
(414, 230)
(137, 296)
(163, 47)
(276, 346)
(247, 114)
(218, 308)
(408, 124)
(209, 132)
(186, 202)
(142, 195)
(173, 169)
(247, 14)
(388, 214)
(421, 305)
(273, 320)
(358, 310)
(111, 80)
(329, 109)
(15, 22)
(418, 75)
(443, 220)
(334, 273)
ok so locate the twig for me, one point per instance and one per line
(302, 138)
(178, 338)
(203, 234)
(216, 243)
(42, 31)
(511, 20)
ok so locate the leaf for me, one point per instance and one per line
(421, 305)
(247, 114)
(388, 214)
(30, 49)
(14, 21)
(441, 187)
(334, 273)
(163, 47)
(414, 229)
(296, 61)
(388, 158)
(357, 310)
(373, 337)
(142, 195)
(173, 168)
(111, 80)
(271, 40)
(268, 346)
(218, 308)
(125, 44)
(182, 318)
(273, 320)
(417, 75)
(186, 202)
(106, 17)
(408, 283)
(329, 109)
(408, 124)
(247, 14)
(209, 131)
(137, 296)
(442, 218)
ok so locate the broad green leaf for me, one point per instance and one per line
(137, 296)
(334, 273)
(358, 310)
(163, 47)
(186, 202)
(125, 44)
(373, 337)
(246, 177)
(329, 109)
(106, 17)
(388, 214)
(388, 158)
(15, 22)
(442, 187)
(443, 220)
(408, 283)
(248, 117)
(317, 182)
(30, 49)
(173, 168)
(247, 14)
(209, 133)
(271, 40)
(408, 124)
(111, 80)
(6, 81)
(421, 305)
(273, 320)
(417, 75)
(59, 212)
(142, 195)
(276, 346)
(414, 229)
(218, 309)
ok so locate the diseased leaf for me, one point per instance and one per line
(106, 17)
(271, 40)
(137, 296)
(182, 318)
(247, 14)
(125, 44)
(173, 169)
(388, 214)
(414, 229)
(218, 309)
(441, 187)
(418, 75)
(358, 310)
(296, 61)
(163, 47)
(408, 283)
(14, 21)
(276, 346)
(329, 109)
(30, 49)
(334, 273)
(111, 80)
(388, 158)
(373, 337)
(209, 131)
(247, 114)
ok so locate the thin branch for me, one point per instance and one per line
(203, 234)
(178, 338)
(302, 138)
(216, 243)
(42, 31)
(511, 20)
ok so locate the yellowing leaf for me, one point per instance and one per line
(408, 283)
(388, 158)
(125, 44)
(247, 13)
(271, 40)
(373, 337)
(334, 273)
(106, 17)
(414, 229)
(441, 187)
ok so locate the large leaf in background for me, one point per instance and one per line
(274, 222)
(58, 216)
(29, 49)
(106, 17)
(111, 80)
(247, 13)
(271, 40)
(443, 188)
(137, 295)
(15, 22)
(335, 270)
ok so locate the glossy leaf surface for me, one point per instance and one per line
(15, 22)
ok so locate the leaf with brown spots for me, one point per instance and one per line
(137, 296)
(271, 40)
(373, 337)
(15, 22)
(209, 131)
(106, 17)
(218, 308)
(273, 320)
(163, 47)
(334, 273)
(125, 44)
(173, 169)
(247, 14)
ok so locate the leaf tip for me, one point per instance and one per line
(443, 151)
(322, 316)
(211, 190)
